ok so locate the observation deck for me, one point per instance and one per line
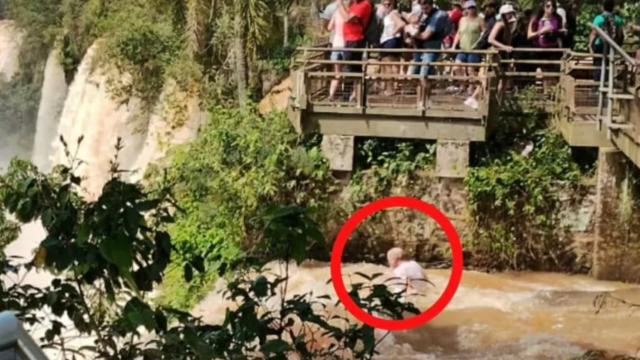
(592, 106)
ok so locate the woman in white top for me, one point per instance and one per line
(391, 38)
(335, 25)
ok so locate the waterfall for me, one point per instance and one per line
(10, 41)
(90, 112)
(54, 93)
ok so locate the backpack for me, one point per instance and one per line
(611, 29)
(373, 30)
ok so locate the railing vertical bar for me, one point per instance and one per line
(612, 66)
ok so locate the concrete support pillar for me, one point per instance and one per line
(616, 250)
(339, 150)
(452, 158)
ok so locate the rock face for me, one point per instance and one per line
(423, 239)
(278, 97)
(616, 253)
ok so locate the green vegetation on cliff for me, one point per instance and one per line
(241, 164)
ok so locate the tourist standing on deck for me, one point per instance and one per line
(471, 27)
(433, 29)
(356, 17)
(412, 277)
(392, 38)
(327, 15)
(336, 25)
(489, 10)
(612, 25)
(546, 31)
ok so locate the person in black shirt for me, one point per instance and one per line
(569, 39)
(489, 11)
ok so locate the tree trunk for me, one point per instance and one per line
(240, 58)
(285, 24)
(192, 27)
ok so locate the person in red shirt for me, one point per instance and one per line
(455, 14)
(356, 19)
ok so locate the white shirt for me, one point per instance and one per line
(409, 270)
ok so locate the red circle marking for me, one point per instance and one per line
(354, 221)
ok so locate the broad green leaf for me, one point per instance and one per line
(188, 272)
(118, 250)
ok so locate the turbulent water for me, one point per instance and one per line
(498, 316)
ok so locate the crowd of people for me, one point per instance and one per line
(466, 27)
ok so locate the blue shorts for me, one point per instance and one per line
(337, 55)
(394, 43)
(468, 58)
(424, 70)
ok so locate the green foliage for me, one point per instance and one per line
(515, 200)
(385, 161)
(109, 253)
(9, 230)
(241, 163)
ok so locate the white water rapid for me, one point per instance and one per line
(508, 316)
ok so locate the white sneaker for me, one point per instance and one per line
(452, 89)
(471, 102)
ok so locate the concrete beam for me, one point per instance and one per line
(339, 150)
(616, 250)
(452, 158)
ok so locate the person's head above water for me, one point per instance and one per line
(394, 257)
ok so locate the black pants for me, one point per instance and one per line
(599, 49)
(354, 55)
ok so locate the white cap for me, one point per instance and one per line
(505, 9)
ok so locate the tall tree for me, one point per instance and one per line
(251, 26)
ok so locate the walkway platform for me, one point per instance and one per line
(379, 102)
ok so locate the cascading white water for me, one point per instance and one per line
(10, 41)
(90, 112)
(54, 93)
(87, 109)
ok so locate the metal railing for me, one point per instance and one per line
(608, 77)
(15, 342)
(527, 71)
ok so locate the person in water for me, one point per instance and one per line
(412, 276)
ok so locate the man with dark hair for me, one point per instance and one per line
(612, 25)
(433, 29)
(489, 10)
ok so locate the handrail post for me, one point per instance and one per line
(610, 94)
(600, 88)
